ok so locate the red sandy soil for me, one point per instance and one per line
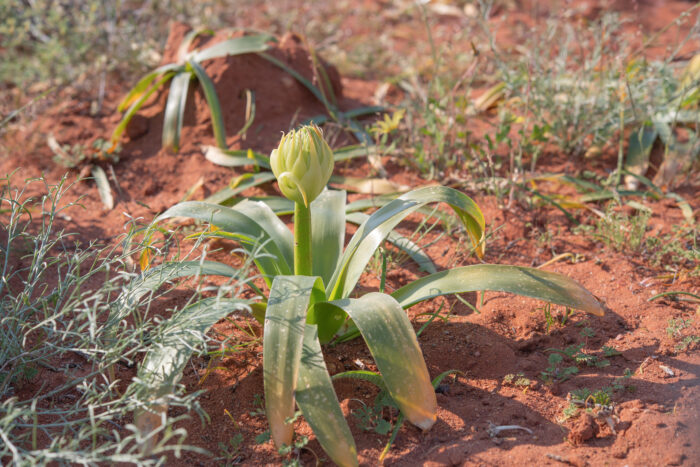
(657, 421)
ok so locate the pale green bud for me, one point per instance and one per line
(303, 164)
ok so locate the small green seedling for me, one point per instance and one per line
(556, 372)
(230, 453)
(518, 380)
(675, 331)
(370, 418)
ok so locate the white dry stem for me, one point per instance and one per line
(494, 430)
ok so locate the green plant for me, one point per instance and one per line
(77, 154)
(229, 453)
(677, 250)
(679, 113)
(311, 298)
(575, 353)
(56, 298)
(621, 383)
(610, 351)
(370, 418)
(619, 230)
(188, 67)
(555, 372)
(86, 43)
(676, 326)
(675, 331)
(518, 380)
(548, 318)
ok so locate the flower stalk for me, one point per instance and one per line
(302, 164)
(302, 240)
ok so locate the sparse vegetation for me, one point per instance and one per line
(140, 326)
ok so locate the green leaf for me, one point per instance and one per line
(136, 106)
(373, 232)
(684, 206)
(175, 111)
(305, 82)
(402, 243)
(172, 348)
(352, 152)
(290, 297)
(253, 223)
(328, 317)
(638, 150)
(250, 112)
(235, 46)
(170, 351)
(279, 205)
(327, 232)
(358, 130)
(364, 375)
(217, 120)
(228, 194)
(362, 111)
(235, 157)
(154, 278)
(183, 49)
(103, 187)
(136, 93)
(319, 403)
(554, 288)
(394, 347)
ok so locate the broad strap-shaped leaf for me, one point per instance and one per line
(235, 157)
(354, 151)
(137, 91)
(103, 188)
(254, 224)
(549, 286)
(283, 335)
(170, 351)
(638, 150)
(183, 51)
(372, 233)
(382, 200)
(228, 194)
(327, 232)
(138, 103)
(217, 120)
(156, 277)
(173, 346)
(328, 317)
(319, 403)
(234, 46)
(402, 243)
(305, 82)
(175, 110)
(363, 375)
(394, 347)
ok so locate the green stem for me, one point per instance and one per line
(302, 240)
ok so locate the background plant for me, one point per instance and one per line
(180, 74)
(46, 321)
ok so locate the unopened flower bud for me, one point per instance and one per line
(303, 164)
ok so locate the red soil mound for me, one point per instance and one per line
(280, 100)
